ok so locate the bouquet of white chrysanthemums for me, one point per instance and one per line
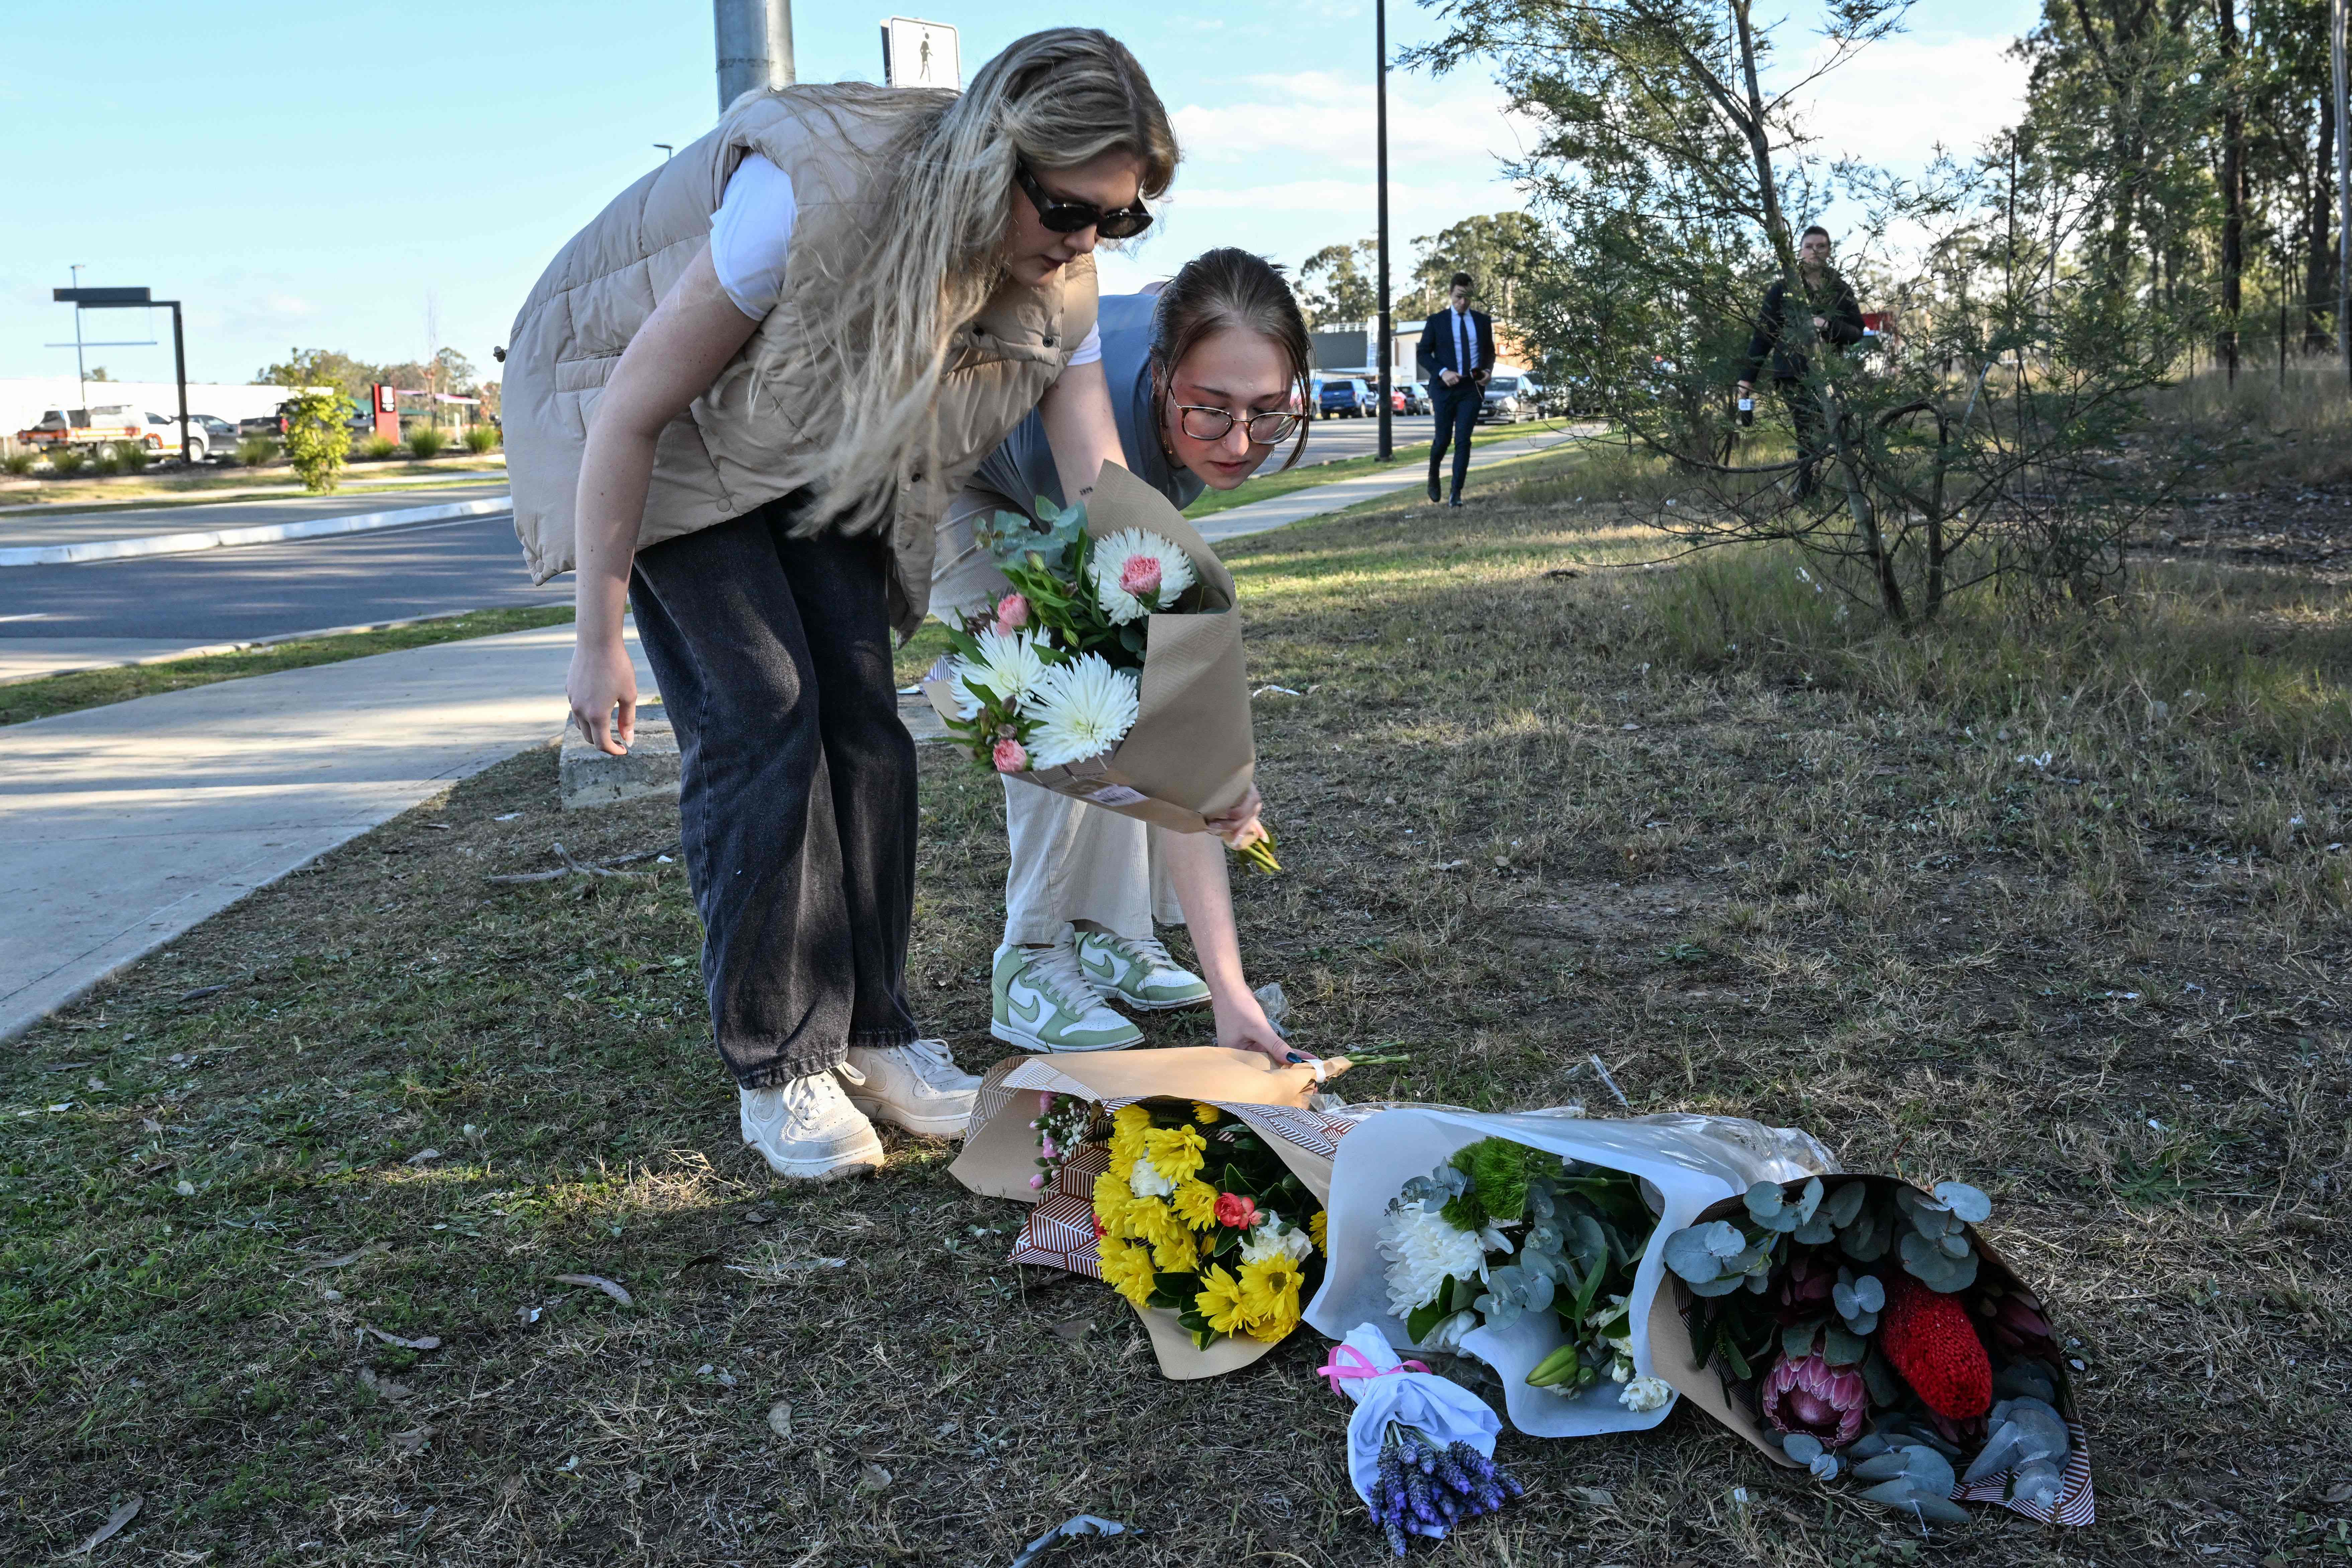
(1050, 687)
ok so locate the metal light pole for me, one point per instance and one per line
(755, 46)
(82, 373)
(136, 299)
(2340, 38)
(1381, 142)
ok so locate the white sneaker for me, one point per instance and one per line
(1044, 1002)
(917, 1086)
(807, 1131)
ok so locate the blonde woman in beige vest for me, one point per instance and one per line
(738, 401)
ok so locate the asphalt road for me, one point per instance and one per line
(270, 589)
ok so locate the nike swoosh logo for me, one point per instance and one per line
(1024, 1002)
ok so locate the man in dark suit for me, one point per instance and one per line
(1456, 356)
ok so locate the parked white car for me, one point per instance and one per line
(1509, 399)
(207, 436)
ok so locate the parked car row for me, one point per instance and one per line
(1509, 398)
(1355, 396)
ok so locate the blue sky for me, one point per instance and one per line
(327, 176)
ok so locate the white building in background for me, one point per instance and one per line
(24, 399)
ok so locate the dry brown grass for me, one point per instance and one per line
(1526, 818)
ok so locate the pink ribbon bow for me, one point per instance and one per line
(1334, 1370)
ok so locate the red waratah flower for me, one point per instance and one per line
(1235, 1212)
(1811, 1397)
(1928, 1339)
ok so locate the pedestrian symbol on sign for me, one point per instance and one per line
(919, 54)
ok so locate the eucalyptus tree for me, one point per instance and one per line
(1980, 439)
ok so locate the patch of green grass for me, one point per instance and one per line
(1836, 903)
(52, 694)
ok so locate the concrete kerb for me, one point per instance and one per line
(257, 533)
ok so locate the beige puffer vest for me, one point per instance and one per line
(719, 459)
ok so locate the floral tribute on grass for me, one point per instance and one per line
(1420, 1450)
(1575, 1234)
(1863, 1326)
(1051, 677)
(1196, 1214)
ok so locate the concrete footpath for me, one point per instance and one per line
(128, 824)
(65, 538)
(131, 823)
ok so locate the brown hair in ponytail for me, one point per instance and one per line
(1222, 288)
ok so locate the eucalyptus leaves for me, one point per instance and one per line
(1929, 1236)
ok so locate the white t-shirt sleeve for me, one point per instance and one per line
(1089, 351)
(751, 235)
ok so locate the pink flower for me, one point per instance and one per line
(1012, 612)
(1235, 1212)
(1036, 1183)
(1141, 576)
(1046, 1147)
(1009, 758)
(1811, 1397)
(1044, 1100)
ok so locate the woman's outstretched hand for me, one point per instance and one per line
(1238, 826)
(1243, 1025)
(604, 678)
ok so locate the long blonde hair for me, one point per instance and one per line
(1055, 99)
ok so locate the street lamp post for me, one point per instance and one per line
(138, 300)
(1380, 141)
(755, 46)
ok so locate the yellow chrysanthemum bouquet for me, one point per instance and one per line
(1198, 1216)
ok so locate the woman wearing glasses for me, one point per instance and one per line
(738, 402)
(1204, 375)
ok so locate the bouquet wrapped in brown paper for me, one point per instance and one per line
(1213, 1170)
(1113, 670)
(1856, 1325)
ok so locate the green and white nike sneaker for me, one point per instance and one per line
(1139, 973)
(1045, 1002)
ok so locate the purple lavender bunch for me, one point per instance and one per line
(1424, 1490)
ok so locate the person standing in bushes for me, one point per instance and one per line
(1204, 371)
(741, 396)
(1837, 322)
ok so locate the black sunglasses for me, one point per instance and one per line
(1068, 216)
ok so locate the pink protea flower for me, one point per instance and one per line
(1811, 1397)
(1235, 1211)
(1036, 1183)
(1141, 576)
(1009, 758)
(1044, 1100)
(1012, 612)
